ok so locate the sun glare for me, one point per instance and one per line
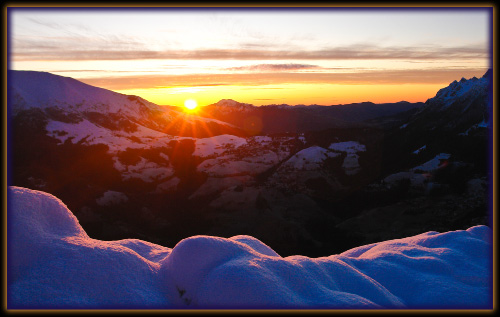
(190, 104)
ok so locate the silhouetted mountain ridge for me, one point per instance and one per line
(301, 118)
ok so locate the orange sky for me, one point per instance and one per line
(292, 92)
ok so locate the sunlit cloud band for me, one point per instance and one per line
(353, 52)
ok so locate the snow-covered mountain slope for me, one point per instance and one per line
(53, 263)
(460, 106)
(69, 111)
(66, 100)
(460, 91)
(456, 121)
(239, 156)
(30, 89)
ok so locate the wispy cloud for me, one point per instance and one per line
(65, 27)
(426, 76)
(99, 71)
(273, 67)
(75, 46)
(43, 51)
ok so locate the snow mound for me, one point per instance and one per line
(53, 263)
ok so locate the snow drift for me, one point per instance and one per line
(53, 263)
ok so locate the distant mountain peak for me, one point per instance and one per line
(459, 89)
(460, 107)
(231, 103)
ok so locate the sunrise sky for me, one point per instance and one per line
(260, 56)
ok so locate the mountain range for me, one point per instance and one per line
(299, 119)
(309, 179)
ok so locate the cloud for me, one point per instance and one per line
(425, 76)
(42, 51)
(99, 71)
(68, 47)
(59, 26)
(273, 67)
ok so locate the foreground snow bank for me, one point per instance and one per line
(53, 263)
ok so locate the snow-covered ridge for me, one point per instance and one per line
(68, 97)
(459, 89)
(53, 263)
(31, 89)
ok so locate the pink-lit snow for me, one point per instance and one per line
(53, 263)
(115, 140)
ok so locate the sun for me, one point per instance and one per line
(190, 104)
